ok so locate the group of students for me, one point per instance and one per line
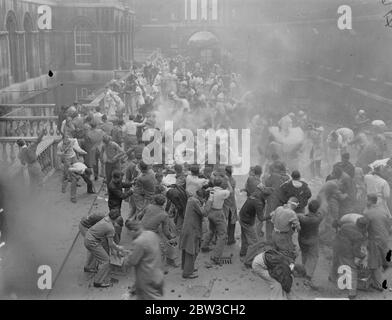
(358, 233)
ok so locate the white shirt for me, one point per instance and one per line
(130, 128)
(379, 163)
(350, 217)
(218, 197)
(259, 261)
(377, 185)
(78, 167)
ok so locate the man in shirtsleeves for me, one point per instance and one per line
(28, 157)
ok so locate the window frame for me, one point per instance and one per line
(83, 41)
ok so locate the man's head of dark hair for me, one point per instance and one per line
(202, 193)
(114, 213)
(258, 170)
(229, 170)
(131, 117)
(195, 170)
(116, 175)
(20, 142)
(362, 223)
(279, 166)
(104, 117)
(295, 175)
(345, 156)
(218, 182)
(366, 170)
(313, 206)
(178, 168)
(299, 271)
(88, 171)
(337, 171)
(98, 109)
(143, 166)
(377, 169)
(159, 199)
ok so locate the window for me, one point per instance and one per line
(214, 11)
(204, 9)
(83, 47)
(11, 26)
(82, 93)
(29, 49)
(193, 9)
(186, 9)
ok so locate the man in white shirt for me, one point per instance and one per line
(97, 115)
(67, 150)
(217, 221)
(77, 170)
(379, 186)
(130, 130)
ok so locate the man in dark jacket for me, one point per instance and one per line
(191, 235)
(308, 239)
(274, 181)
(253, 180)
(348, 251)
(252, 208)
(296, 188)
(115, 190)
(178, 198)
(346, 165)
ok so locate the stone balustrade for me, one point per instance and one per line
(28, 120)
(29, 109)
(28, 126)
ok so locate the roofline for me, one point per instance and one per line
(78, 5)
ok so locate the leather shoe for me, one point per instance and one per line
(102, 285)
(192, 276)
(90, 270)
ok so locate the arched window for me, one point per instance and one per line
(11, 25)
(83, 44)
(29, 49)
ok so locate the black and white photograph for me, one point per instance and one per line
(195, 150)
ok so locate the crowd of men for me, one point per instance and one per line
(167, 203)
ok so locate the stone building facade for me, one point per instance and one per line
(87, 41)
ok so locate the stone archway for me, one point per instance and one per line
(205, 45)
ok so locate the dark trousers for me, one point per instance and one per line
(109, 168)
(187, 263)
(310, 255)
(74, 180)
(230, 229)
(230, 233)
(217, 227)
(248, 237)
